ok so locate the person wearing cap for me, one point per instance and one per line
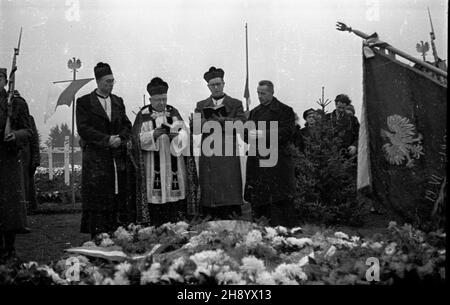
(220, 176)
(161, 183)
(104, 130)
(270, 190)
(13, 215)
(344, 125)
(310, 117)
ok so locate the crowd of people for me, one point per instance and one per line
(140, 172)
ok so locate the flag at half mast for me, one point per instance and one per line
(63, 92)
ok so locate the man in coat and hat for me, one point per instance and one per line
(344, 126)
(270, 189)
(105, 130)
(13, 215)
(220, 173)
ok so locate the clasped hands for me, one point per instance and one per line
(11, 137)
(114, 141)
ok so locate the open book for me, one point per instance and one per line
(218, 110)
(168, 129)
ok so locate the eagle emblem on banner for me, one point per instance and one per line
(403, 142)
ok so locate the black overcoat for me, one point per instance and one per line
(13, 215)
(266, 185)
(98, 175)
(220, 177)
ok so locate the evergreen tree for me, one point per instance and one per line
(326, 180)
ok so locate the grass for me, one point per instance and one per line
(50, 235)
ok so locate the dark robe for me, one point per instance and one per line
(267, 186)
(220, 176)
(30, 157)
(12, 195)
(100, 203)
(156, 214)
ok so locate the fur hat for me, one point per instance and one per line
(157, 86)
(213, 72)
(102, 69)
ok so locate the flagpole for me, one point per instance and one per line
(343, 27)
(246, 62)
(73, 64)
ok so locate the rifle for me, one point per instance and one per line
(11, 84)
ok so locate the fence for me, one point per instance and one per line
(66, 151)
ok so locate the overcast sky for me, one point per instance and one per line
(293, 43)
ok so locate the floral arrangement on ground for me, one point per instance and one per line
(56, 190)
(238, 252)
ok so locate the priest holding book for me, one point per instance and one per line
(219, 174)
(160, 138)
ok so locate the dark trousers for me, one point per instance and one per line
(223, 212)
(280, 213)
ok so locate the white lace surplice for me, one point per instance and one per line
(162, 147)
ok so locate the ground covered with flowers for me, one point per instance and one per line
(239, 252)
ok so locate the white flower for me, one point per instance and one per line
(230, 277)
(264, 278)
(178, 263)
(124, 267)
(123, 234)
(121, 279)
(341, 235)
(172, 275)
(253, 238)
(108, 281)
(305, 260)
(392, 224)
(89, 244)
(201, 239)
(208, 261)
(289, 274)
(54, 276)
(252, 266)
(390, 249)
(355, 239)
(152, 275)
(97, 276)
(133, 228)
(106, 242)
(83, 260)
(103, 235)
(181, 227)
(278, 241)
(299, 242)
(270, 232)
(145, 233)
(341, 242)
(31, 264)
(376, 245)
(281, 230)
